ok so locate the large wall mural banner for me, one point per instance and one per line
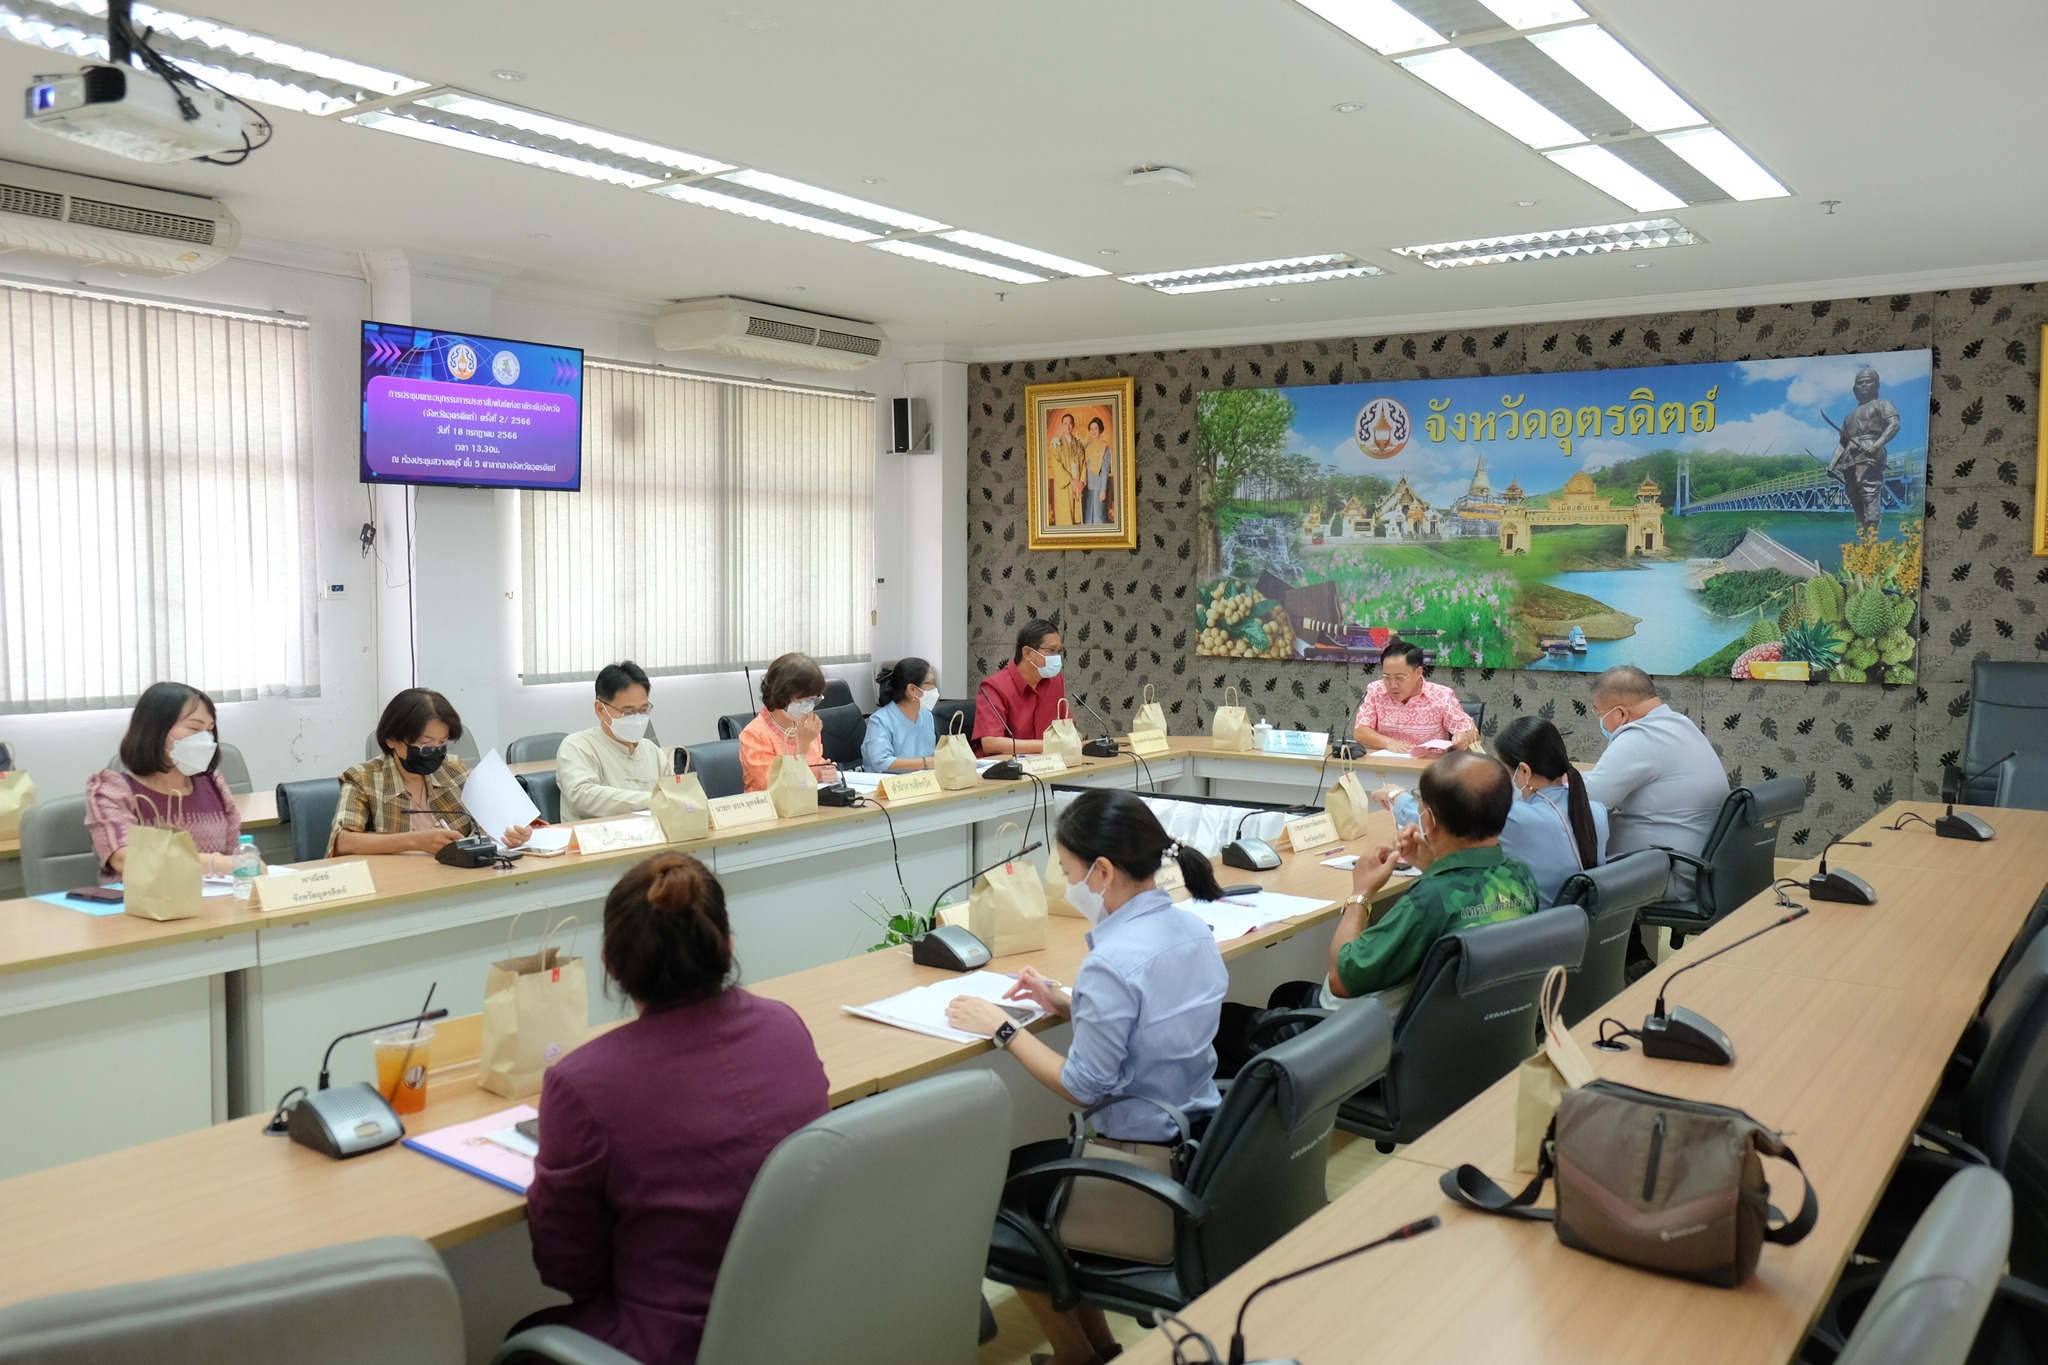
(1757, 519)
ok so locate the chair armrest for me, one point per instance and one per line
(1930, 1142)
(1172, 1193)
(2026, 1296)
(1262, 1036)
(1951, 784)
(558, 1346)
(1059, 1266)
(1686, 858)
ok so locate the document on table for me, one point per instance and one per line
(551, 841)
(494, 798)
(1350, 860)
(1439, 745)
(1236, 916)
(923, 1009)
(865, 783)
(477, 1147)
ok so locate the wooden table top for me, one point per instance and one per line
(259, 811)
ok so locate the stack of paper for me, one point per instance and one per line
(494, 798)
(923, 1010)
(488, 1148)
(1350, 860)
(1237, 916)
(860, 782)
(550, 842)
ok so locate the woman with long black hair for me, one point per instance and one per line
(1554, 827)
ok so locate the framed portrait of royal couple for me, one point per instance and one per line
(1081, 459)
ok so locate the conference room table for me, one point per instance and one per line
(1843, 1022)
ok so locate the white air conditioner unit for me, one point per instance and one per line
(764, 332)
(84, 220)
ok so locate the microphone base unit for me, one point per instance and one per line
(1846, 887)
(1100, 748)
(838, 794)
(1009, 770)
(1963, 825)
(1684, 1036)
(346, 1121)
(951, 947)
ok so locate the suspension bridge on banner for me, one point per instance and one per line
(1815, 490)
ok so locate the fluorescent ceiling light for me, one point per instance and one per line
(391, 121)
(712, 194)
(1534, 13)
(1381, 25)
(1618, 76)
(827, 199)
(1714, 154)
(1486, 93)
(1253, 274)
(562, 130)
(1532, 246)
(1605, 171)
(936, 255)
(996, 246)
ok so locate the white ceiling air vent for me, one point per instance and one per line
(85, 220)
(764, 332)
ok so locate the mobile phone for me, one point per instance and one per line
(98, 895)
(1020, 1013)
(528, 1129)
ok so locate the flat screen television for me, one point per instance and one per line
(459, 410)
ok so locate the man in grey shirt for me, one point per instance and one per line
(1661, 781)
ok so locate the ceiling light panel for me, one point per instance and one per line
(663, 161)
(939, 252)
(1550, 85)
(1486, 94)
(727, 198)
(1381, 25)
(855, 210)
(443, 132)
(1618, 76)
(1714, 154)
(1643, 235)
(1256, 274)
(1521, 14)
(1011, 252)
(1605, 171)
(471, 123)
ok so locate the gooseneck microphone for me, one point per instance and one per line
(1104, 747)
(328, 1056)
(1846, 887)
(1406, 1232)
(1683, 1036)
(1966, 825)
(1009, 769)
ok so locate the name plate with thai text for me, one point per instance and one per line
(314, 886)
(749, 808)
(605, 836)
(903, 786)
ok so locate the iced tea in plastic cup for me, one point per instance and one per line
(402, 1060)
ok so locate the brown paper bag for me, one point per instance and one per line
(536, 1011)
(681, 807)
(1062, 737)
(955, 757)
(1149, 716)
(1006, 908)
(1542, 1080)
(17, 794)
(160, 879)
(1347, 807)
(1056, 902)
(792, 786)
(1231, 731)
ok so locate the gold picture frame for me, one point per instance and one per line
(2041, 455)
(1081, 465)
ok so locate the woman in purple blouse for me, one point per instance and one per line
(171, 750)
(651, 1134)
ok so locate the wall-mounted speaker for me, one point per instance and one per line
(910, 427)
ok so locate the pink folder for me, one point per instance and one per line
(465, 1147)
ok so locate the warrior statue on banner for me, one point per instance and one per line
(1860, 454)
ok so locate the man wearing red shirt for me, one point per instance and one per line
(1402, 711)
(1015, 704)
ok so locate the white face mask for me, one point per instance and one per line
(191, 754)
(802, 707)
(1088, 902)
(629, 729)
(1051, 667)
(927, 701)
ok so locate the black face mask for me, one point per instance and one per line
(423, 762)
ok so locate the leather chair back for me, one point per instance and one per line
(837, 693)
(717, 765)
(1476, 710)
(233, 769)
(1741, 856)
(2013, 1060)
(2023, 782)
(308, 808)
(388, 1300)
(942, 717)
(729, 727)
(546, 793)
(56, 852)
(2008, 710)
(535, 748)
(1610, 894)
(845, 727)
(1928, 1308)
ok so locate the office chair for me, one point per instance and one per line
(1610, 894)
(308, 807)
(546, 792)
(2008, 710)
(942, 716)
(1737, 863)
(729, 726)
(1476, 710)
(845, 727)
(1932, 1300)
(717, 765)
(535, 748)
(56, 851)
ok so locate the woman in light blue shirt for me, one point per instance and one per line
(1145, 1005)
(900, 737)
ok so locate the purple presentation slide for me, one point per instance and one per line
(470, 411)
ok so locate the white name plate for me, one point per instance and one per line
(1310, 831)
(903, 786)
(314, 886)
(749, 808)
(1044, 765)
(604, 836)
(1146, 743)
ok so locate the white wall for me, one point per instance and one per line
(464, 591)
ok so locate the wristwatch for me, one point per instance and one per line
(1358, 898)
(1004, 1033)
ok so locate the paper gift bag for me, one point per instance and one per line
(1149, 716)
(1347, 807)
(536, 1011)
(792, 786)
(1062, 737)
(1056, 902)
(681, 807)
(955, 757)
(1542, 1080)
(1231, 731)
(1006, 908)
(160, 878)
(17, 794)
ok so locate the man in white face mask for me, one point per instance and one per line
(611, 768)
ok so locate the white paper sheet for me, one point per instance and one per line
(1350, 860)
(860, 782)
(923, 1009)
(1236, 916)
(494, 798)
(1437, 744)
(551, 842)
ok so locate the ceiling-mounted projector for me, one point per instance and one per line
(142, 119)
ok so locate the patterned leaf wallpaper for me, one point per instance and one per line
(1124, 613)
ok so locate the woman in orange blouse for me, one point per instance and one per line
(788, 724)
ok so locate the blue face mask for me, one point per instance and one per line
(1606, 733)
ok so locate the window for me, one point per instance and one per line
(721, 523)
(156, 517)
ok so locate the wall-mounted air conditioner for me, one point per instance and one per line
(765, 332)
(84, 220)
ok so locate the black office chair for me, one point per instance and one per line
(535, 748)
(1476, 710)
(1259, 1171)
(942, 716)
(717, 765)
(1470, 1020)
(1610, 894)
(308, 807)
(546, 793)
(729, 727)
(2008, 711)
(845, 727)
(837, 693)
(2024, 783)
(1737, 863)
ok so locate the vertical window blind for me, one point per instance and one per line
(721, 523)
(156, 502)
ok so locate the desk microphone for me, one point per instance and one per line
(349, 1121)
(1841, 886)
(1966, 825)
(1009, 769)
(1406, 1232)
(952, 946)
(1106, 746)
(1683, 1036)
(752, 704)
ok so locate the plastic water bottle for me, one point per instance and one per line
(1262, 734)
(248, 867)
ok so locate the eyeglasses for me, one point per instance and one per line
(646, 710)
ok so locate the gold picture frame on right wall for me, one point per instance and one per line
(2041, 451)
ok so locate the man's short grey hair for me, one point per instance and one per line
(1624, 683)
